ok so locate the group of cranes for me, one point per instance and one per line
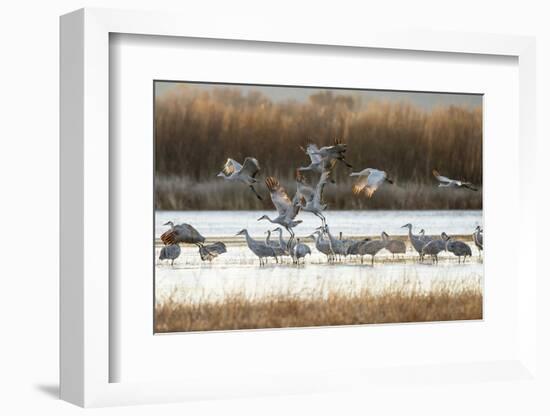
(187, 234)
(335, 249)
(309, 198)
(432, 246)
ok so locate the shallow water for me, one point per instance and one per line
(238, 270)
(350, 223)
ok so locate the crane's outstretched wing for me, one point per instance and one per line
(369, 184)
(169, 237)
(231, 166)
(279, 197)
(313, 152)
(250, 167)
(441, 178)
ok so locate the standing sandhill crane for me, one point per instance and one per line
(258, 248)
(299, 251)
(434, 247)
(171, 252)
(276, 246)
(210, 251)
(370, 180)
(321, 158)
(337, 246)
(286, 209)
(181, 233)
(425, 238)
(458, 248)
(445, 182)
(322, 245)
(347, 243)
(478, 239)
(394, 246)
(416, 241)
(246, 173)
(371, 248)
(286, 246)
(309, 198)
(353, 249)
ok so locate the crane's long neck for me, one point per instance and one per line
(249, 240)
(268, 237)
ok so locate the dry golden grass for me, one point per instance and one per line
(445, 301)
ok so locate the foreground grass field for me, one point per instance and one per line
(406, 302)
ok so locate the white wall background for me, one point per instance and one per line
(29, 204)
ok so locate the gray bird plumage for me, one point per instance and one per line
(370, 248)
(322, 245)
(181, 233)
(210, 251)
(299, 251)
(445, 182)
(170, 252)
(458, 248)
(417, 242)
(287, 209)
(260, 249)
(478, 239)
(394, 246)
(434, 247)
(246, 173)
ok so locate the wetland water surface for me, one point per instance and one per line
(237, 271)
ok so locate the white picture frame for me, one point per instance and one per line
(85, 354)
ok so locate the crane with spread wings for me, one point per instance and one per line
(246, 173)
(446, 182)
(369, 181)
(286, 208)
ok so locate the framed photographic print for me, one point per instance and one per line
(273, 213)
(287, 233)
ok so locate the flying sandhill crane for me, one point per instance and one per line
(210, 251)
(322, 245)
(445, 182)
(299, 251)
(434, 247)
(394, 246)
(370, 248)
(478, 239)
(416, 241)
(246, 173)
(181, 233)
(321, 158)
(318, 164)
(458, 248)
(276, 246)
(170, 252)
(370, 180)
(311, 199)
(260, 249)
(286, 209)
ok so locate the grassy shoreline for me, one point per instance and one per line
(445, 301)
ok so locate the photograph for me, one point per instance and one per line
(296, 206)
